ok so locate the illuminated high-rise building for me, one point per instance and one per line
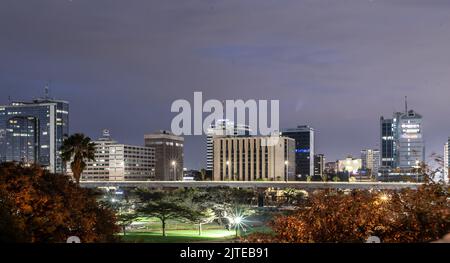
(319, 165)
(304, 150)
(410, 143)
(33, 132)
(388, 132)
(370, 161)
(402, 143)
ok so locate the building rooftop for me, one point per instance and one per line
(163, 134)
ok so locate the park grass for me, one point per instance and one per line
(179, 236)
(184, 232)
(263, 229)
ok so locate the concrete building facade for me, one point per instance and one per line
(169, 155)
(319, 165)
(220, 129)
(252, 159)
(119, 162)
(370, 161)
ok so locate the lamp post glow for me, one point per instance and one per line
(286, 163)
(237, 222)
(174, 165)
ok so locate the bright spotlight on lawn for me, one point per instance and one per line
(238, 221)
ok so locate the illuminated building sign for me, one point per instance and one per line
(301, 150)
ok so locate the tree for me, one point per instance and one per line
(165, 206)
(77, 149)
(294, 196)
(47, 207)
(408, 215)
(225, 202)
(203, 174)
(125, 214)
(164, 210)
(10, 223)
(201, 216)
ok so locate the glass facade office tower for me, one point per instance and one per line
(252, 158)
(33, 132)
(304, 150)
(169, 156)
(389, 140)
(402, 142)
(219, 129)
(411, 146)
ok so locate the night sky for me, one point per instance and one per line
(335, 65)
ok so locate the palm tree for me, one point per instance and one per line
(77, 149)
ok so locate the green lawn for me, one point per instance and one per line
(149, 231)
(179, 236)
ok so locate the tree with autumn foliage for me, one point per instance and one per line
(77, 149)
(39, 206)
(421, 215)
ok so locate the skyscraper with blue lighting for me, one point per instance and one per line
(304, 150)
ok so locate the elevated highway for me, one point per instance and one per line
(254, 184)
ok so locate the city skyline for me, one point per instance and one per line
(335, 67)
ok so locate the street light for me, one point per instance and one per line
(287, 170)
(237, 222)
(174, 164)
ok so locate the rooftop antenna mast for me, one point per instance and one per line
(46, 91)
(406, 104)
